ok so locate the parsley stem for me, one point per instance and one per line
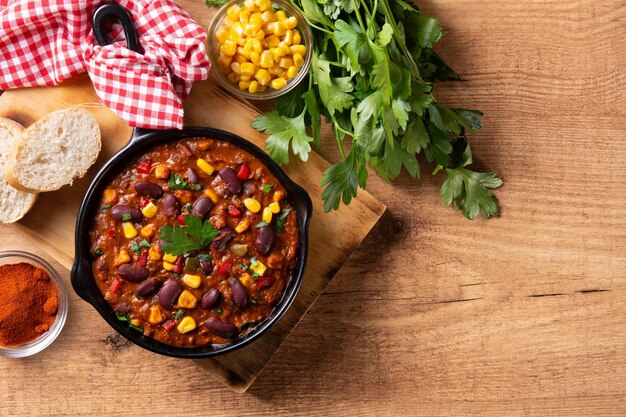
(396, 34)
(358, 16)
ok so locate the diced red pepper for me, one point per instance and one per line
(116, 286)
(185, 150)
(144, 167)
(144, 202)
(143, 258)
(111, 232)
(265, 282)
(169, 325)
(244, 172)
(181, 220)
(225, 268)
(234, 211)
(178, 265)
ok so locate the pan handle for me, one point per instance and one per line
(115, 11)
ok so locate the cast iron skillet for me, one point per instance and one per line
(141, 140)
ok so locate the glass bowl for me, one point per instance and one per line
(43, 341)
(269, 93)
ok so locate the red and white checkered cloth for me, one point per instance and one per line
(43, 42)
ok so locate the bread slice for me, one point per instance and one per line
(54, 151)
(14, 204)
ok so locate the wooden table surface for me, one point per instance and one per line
(434, 314)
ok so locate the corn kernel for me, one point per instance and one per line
(186, 325)
(147, 231)
(168, 257)
(269, 27)
(242, 226)
(252, 204)
(248, 45)
(192, 281)
(247, 68)
(268, 16)
(261, 88)
(288, 39)
(168, 266)
(136, 322)
(290, 23)
(109, 196)
(240, 59)
(267, 215)
(244, 85)
(297, 49)
(162, 172)
(280, 29)
(292, 71)
(122, 258)
(285, 62)
(263, 76)
(129, 230)
(272, 41)
(229, 47)
(235, 66)
(256, 21)
(266, 60)
(233, 78)
(154, 253)
(233, 12)
(259, 268)
(211, 194)
(277, 54)
(205, 166)
(155, 315)
(278, 83)
(278, 195)
(242, 51)
(280, 15)
(258, 36)
(255, 57)
(297, 38)
(263, 4)
(224, 62)
(246, 78)
(187, 300)
(237, 28)
(248, 3)
(247, 280)
(274, 207)
(275, 70)
(254, 87)
(221, 34)
(298, 60)
(150, 210)
(244, 16)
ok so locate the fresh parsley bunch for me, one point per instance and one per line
(372, 75)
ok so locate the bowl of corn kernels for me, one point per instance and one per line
(259, 49)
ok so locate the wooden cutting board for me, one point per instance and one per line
(50, 225)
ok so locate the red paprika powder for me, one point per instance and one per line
(28, 305)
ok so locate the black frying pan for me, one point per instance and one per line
(141, 140)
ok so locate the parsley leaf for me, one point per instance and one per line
(177, 183)
(195, 235)
(470, 192)
(136, 247)
(284, 131)
(267, 188)
(280, 220)
(343, 179)
(333, 90)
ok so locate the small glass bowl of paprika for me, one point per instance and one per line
(32, 312)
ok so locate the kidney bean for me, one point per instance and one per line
(132, 273)
(206, 266)
(229, 176)
(169, 293)
(148, 287)
(264, 240)
(221, 328)
(225, 236)
(192, 177)
(170, 205)
(201, 207)
(118, 212)
(149, 188)
(210, 298)
(240, 295)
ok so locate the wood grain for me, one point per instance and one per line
(522, 315)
